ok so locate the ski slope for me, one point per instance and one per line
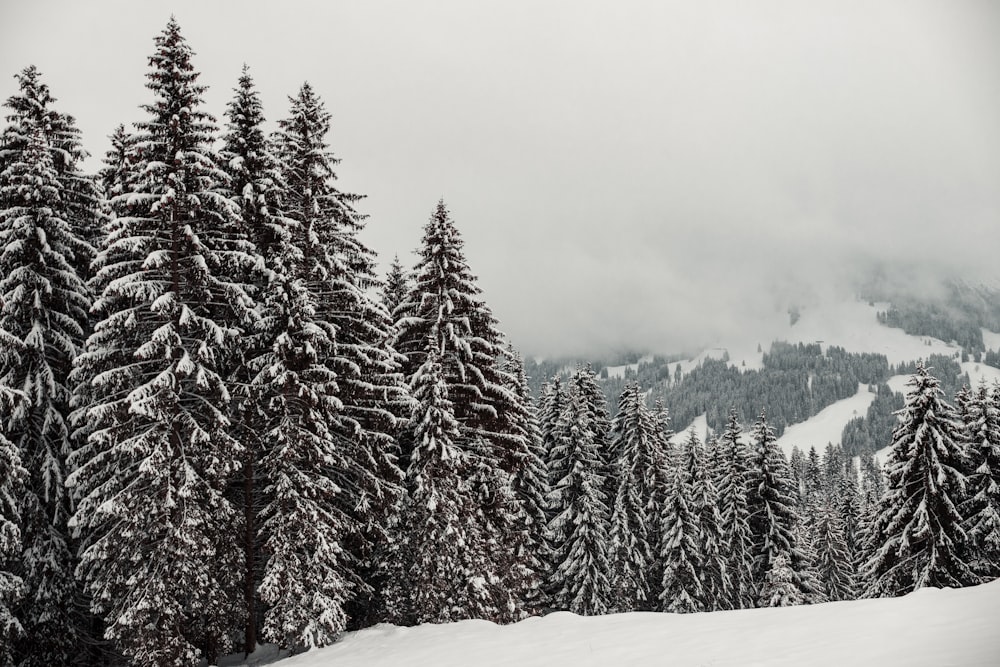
(928, 628)
(828, 425)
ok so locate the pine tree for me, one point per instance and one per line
(736, 539)
(444, 305)
(551, 406)
(681, 545)
(438, 576)
(779, 588)
(579, 531)
(834, 565)
(44, 303)
(396, 289)
(339, 271)
(918, 527)
(772, 515)
(982, 507)
(702, 495)
(531, 487)
(640, 467)
(157, 555)
(13, 480)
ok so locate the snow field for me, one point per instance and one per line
(928, 628)
(828, 425)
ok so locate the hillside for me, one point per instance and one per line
(931, 627)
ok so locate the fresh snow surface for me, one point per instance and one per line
(619, 371)
(828, 425)
(699, 426)
(928, 628)
(980, 371)
(991, 339)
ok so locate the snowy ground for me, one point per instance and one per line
(828, 425)
(932, 628)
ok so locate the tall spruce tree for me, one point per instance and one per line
(396, 288)
(339, 271)
(44, 303)
(982, 507)
(445, 306)
(773, 519)
(640, 469)
(157, 553)
(578, 532)
(834, 565)
(703, 498)
(683, 590)
(736, 538)
(917, 532)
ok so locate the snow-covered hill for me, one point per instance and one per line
(932, 628)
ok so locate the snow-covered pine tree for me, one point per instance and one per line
(736, 539)
(13, 480)
(982, 507)
(917, 532)
(306, 578)
(551, 406)
(779, 588)
(640, 467)
(440, 541)
(44, 303)
(773, 519)
(157, 553)
(833, 563)
(396, 288)
(702, 500)
(445, 299)
(339, 271)
(681, 544)
(531, 487)
(81, 202)
(579, 531)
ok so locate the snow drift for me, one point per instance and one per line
(930, 627)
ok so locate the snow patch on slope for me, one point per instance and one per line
(828, 425)
(928, 628)
(699, 426)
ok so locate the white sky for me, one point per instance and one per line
(645, 174)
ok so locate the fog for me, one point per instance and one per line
(646, 175)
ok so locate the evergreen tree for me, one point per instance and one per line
(444, 305)
(397, 287)
(982, 509)
(772, 515)
(438, 576)
(531, 487)
(716, 582)
(681, 545)
(918, 527)
(736, 539)
(338, 270)
(44, 303)
(779, 588)
(834, 565)
(157, 553)
(579, 531)
(551, 406)
(640, 467)
(13, 479)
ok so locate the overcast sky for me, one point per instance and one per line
(625, 174)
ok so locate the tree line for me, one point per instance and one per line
(219, 427)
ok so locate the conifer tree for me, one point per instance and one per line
(772, 515)
(157, 555)
(396, 288)
(640, 467)
(338, 270)
(779, 588)
(438, 579)
(445, 305)
(918, 529)
(702, 495)
(551, 406)
(683, 590)
(44, 303)
(13, 480)
(736, 539)
(982, 507)
(834, 565)
(579, 531)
